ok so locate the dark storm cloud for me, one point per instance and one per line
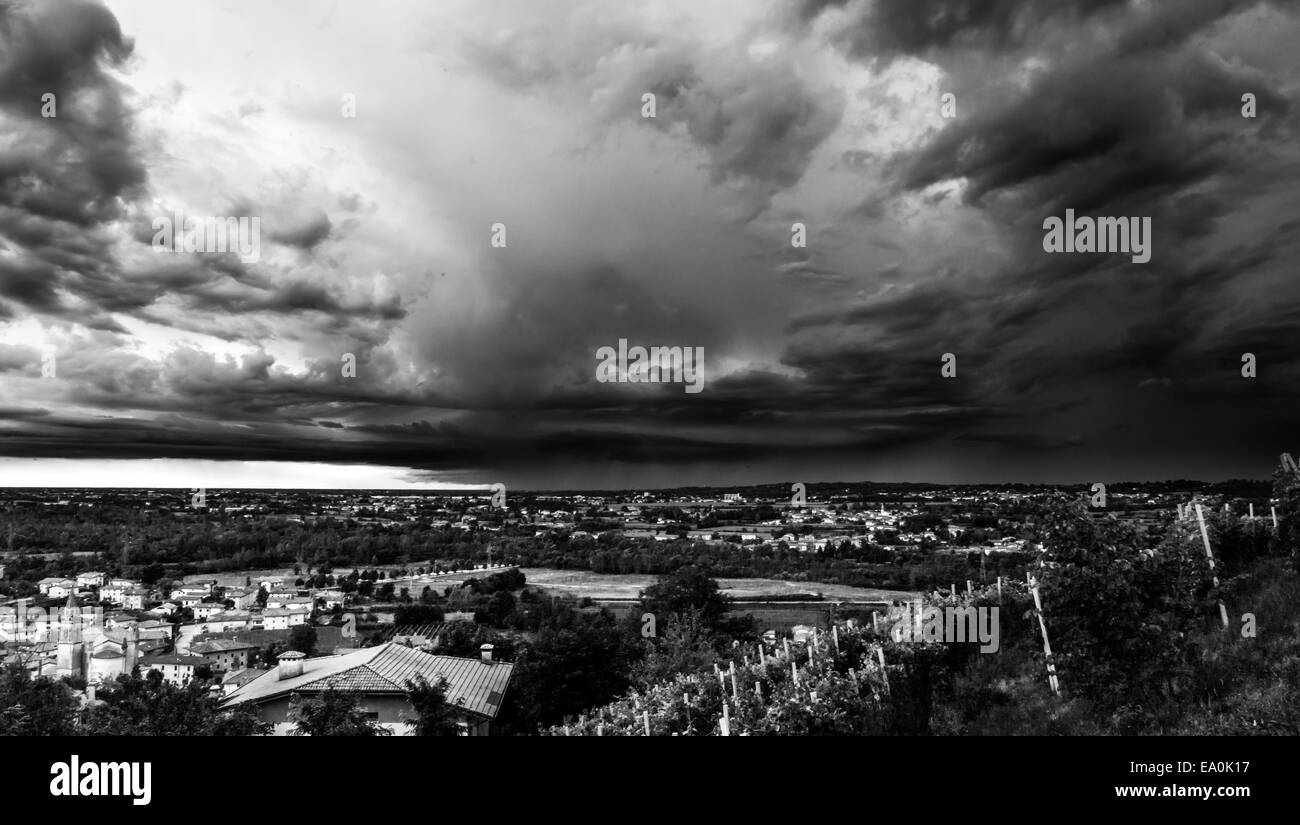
(1105, 107)
(72, 167)
(1138, 117)
(894, 27)
(61, 177)
(306, 233)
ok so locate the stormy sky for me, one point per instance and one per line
(476, 363)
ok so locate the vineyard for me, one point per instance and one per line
(1197, 634)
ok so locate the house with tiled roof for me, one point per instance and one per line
(379, 675)
(136, 598)
(289, 601)
(206, 610)
(282, 619)
(56, 588)
(175, 668)
(90, 578)
(224, 654)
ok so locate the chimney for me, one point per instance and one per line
(290, 664)
(486, 653)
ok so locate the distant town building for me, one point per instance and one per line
(135, 599)
(282, 619)
(224, 654)
(174, 668)
(56, 588)
(207, 610)
(90, 579)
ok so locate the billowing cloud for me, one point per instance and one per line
(381, 147)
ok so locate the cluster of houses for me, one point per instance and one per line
(229, 627)
(109, 626)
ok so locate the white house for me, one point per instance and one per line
(175, 669)
(303, 604)
(90, 579)
(135, 599)
(207, 610)
(65, 586)
(243, 598)
(282, 619)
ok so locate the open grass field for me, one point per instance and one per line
(580, 583)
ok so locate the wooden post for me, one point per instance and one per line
(999, 589)
(884, 673)
(835, 637)
(794, 672)
(1047, 647)
(1252, 511)
(787, 647)
(758, 690)
(600, 728)
(726, 719)
(1274, 509)
(1205, 537)
(646, 716)
(968, 587)
(952, 589)
(875, 621)
(735, 691)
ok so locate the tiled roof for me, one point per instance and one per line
(219, 646)
(243, 677)
(474, 685)
(190, 661)
(424, 631)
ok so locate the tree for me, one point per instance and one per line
(131, 706)
(332, 713)
(302, 638)
(684, 590)
(34, 707)
(417, 614)
(499, 609)
(578, 660)
(1122, 619)
(434, 716)
(686, 646)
